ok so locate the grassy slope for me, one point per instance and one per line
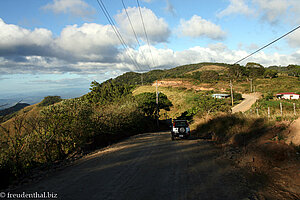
(280, 84)
(29, 111)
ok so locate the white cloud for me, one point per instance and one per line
(93, 49)
(157, 29)
(219, 53)
(12, 36)
(236, 7)
(198, 27)
(273, 10)
(77, 8)
(294, 39)
(90, 41)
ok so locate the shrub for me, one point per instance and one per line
(268, 96)
(234, 129)
(62, 129)
(237, 96)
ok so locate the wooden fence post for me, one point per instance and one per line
(268, 112)
(294, 108)
(281, 108)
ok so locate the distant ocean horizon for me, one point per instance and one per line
(10, 99)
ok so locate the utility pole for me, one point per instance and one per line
(281, 108)
(157, 121)
(231, 91)
(294, 108)
(142, 79)
(251, 85)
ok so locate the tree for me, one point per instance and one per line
(108, 91)
(269, 73)
(294, 70)
(236, 71)
(254, 70)
(147, 102)
(50, 100)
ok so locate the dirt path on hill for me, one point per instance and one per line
(149, 166)
(249, 100)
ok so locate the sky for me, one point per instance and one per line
(54, 45)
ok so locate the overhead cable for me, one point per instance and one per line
(135, 35)
(118, 34)
(267, 45)
(145, 31)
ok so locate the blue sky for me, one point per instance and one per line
(57, 44)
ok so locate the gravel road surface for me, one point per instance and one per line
(246, 104)
(148, 166)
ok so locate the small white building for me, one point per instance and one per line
(288, 95)
(220, 96)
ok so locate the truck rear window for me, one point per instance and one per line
(180, 123)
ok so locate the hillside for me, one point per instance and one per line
(134, 78)
(13, 109)
(58, 129)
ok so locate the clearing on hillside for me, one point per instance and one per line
(209, 67)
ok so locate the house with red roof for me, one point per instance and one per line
(288, 95)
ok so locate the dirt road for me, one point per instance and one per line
(149, 166)
(246, 104)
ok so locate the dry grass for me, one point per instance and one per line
(29, 111)
(210, 67)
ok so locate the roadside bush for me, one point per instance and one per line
(234, 129)
(16, 155)
(62, 129)
(65, 127)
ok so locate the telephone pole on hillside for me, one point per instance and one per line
(157, 109)
(142, 80)
(231, 91)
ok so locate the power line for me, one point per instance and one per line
(267, 45)
(118, 34)
(145, 30)
(135, 35)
